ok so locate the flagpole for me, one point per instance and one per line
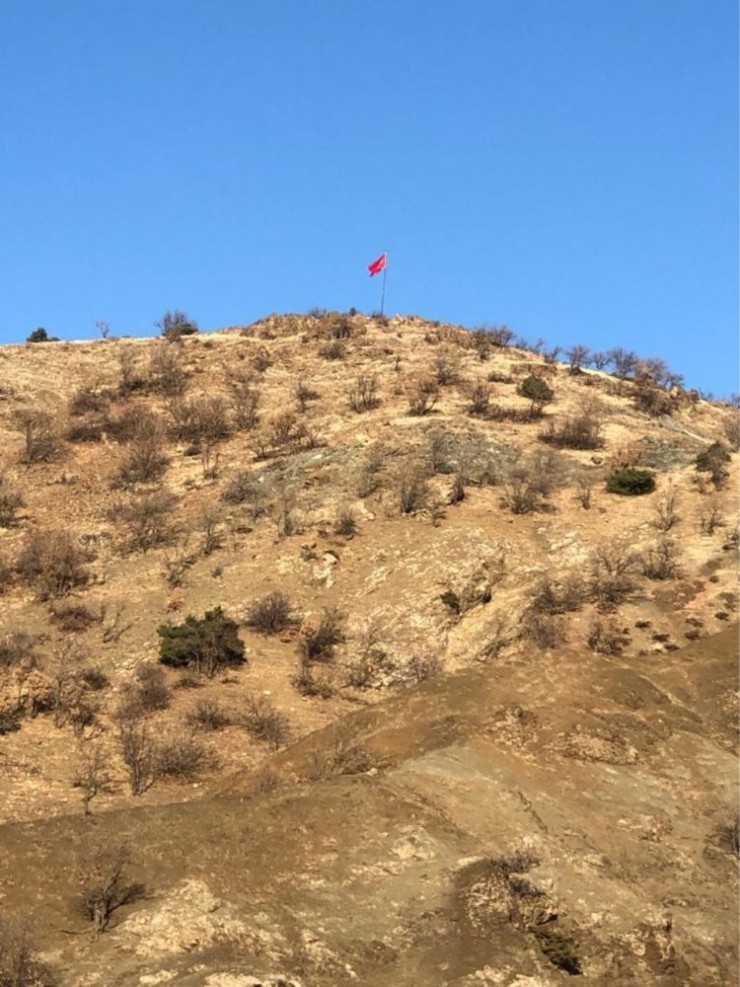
(382, 296)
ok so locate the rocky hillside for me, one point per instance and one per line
(349, 650)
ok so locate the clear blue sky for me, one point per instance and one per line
(568, 167)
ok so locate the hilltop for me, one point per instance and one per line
(450, 674)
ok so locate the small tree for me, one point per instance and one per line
(105, 886)
(175, 324)
(578, 356)
(138, 751)
(40, 335)
(206, 644)
(92, 776)
(41, 441)
(538, 391)
(712, 460)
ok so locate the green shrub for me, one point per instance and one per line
(630, 481)
(175, 324)
(205, 644)
(40, 335)
(712, 460)
(538, 391)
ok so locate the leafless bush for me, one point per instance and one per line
(166, 371)
(731, 430)
(363, 395)
(579, 431)
(271, 614)
(544, 629)
(423, 667)
(138, 751)
(611, 567)
(74, 617)
(665, 510)
(423, 396)
(105, 887)
(208, 715)
(308, 683)
(52, 562)
(318, 642)
(285, 430)
(712, 517)
(152, 691)
(208, 523)
(10, 503)
(19, 964)
(40, 437)
(526, 484)
(182, 758)
(606, 638)
(145, 459)
(562, 596)
(446, 366)
(333, 350)
(88, 399)
(244, 404)
(345, 525)
(92, 776)
(368, 477)
(480, 400)
(584, 489)
(130, 379)
(199, 420)
(246, 488)
(114, 625)
(499, 637)
(264, 722)
(661, 561)
(147, 518)
(413, 489)
(304, 394)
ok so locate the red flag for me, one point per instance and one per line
(378, 265)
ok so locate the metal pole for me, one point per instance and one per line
(382, 297)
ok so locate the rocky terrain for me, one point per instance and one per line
(339, 650)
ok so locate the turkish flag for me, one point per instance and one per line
(378, 265)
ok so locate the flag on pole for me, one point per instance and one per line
(378, 265)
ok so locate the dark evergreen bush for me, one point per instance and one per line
(205, 644)
(630, 482)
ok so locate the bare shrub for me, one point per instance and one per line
(10, 503)
(199, 420)
(285, 430)
(584, 490)
(105, 886)
(499, 637)
(731, 430)
(271, 614)
(363, 395)
(130, 379)
(175, 324)
(74, 617)
(368, 477)
(264, 722)
(712, 517)
(713, 460)
(423, 667)
(40, 437)
(88, 399)
(92, 776)
(661, 561)
(413, 489)
(318, 642)
(307, 683)
(559, 596)
(208, 715)
(606, 638)
(611, 567)
(52, 562)
(244, 404)
(446, 366)
(167, 374)
(147, 518)
(333, 350)
(245, 488)
(19, 964)
(526, 484)
(208, 523)
(579, 431)
(665, 514)
(423, 396)
(182, 758)
(145, 460)
(543, 629)
(138, 751)
(345, 525)
(152, 691)
(480, 401)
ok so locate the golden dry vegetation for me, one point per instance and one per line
(485, 704)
